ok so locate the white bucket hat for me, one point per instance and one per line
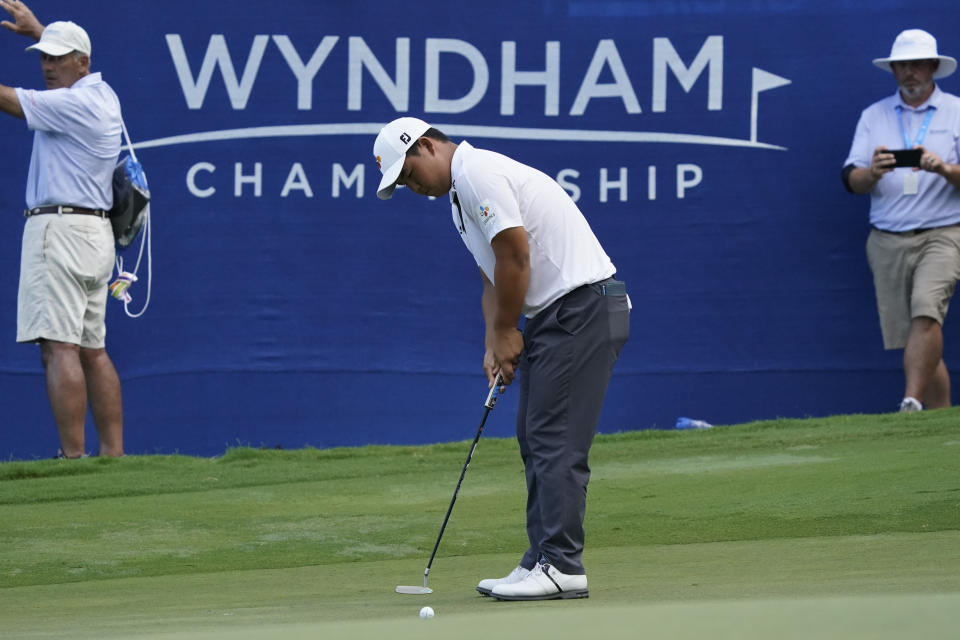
(917, 44)
(60, 38)
(390, 149)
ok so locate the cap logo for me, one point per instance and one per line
(405, 138)
(379, 160)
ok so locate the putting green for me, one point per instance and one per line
(840, 618)
(851, 586)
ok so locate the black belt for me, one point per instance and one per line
(913, 232)
(609, 287)
(64, 208)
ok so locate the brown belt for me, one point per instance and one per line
(62, 208)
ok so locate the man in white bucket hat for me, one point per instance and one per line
(68, 246)
(914, 245)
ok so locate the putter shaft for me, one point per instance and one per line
(488, 405)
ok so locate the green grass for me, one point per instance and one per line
(850, 523)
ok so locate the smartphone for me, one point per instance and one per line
(907, 157)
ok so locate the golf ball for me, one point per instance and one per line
(426, 612)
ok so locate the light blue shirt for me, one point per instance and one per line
(937, 202)
(75, 145)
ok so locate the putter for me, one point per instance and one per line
(491, 401)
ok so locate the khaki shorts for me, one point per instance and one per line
(65, 267)
(914, 275)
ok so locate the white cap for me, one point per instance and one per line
(60, 38)
(917, 44)
(390, 149)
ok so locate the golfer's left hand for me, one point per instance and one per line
(25, 23)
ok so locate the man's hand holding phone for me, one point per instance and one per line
(882, 162)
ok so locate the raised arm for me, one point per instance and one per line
(26, 24)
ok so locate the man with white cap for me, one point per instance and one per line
(538, 258)
(914, 245)
(68, 246)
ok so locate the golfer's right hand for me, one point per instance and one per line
(505, 355)
(492, 370)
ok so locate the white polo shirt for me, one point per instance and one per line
(937, 202)
(76, 143)
(496, 193)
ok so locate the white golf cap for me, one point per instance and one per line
(390, 149)
(60, 38)
(917, 44)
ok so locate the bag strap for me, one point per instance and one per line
(126, 136)
(146, 240)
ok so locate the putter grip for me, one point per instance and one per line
(494, 392)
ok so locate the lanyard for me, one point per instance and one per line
(921, 134)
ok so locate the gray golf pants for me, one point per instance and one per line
(569, 352)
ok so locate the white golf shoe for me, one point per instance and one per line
(487, 585)
(543, 583)
(910, 405)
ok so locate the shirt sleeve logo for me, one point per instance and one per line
(486, 213)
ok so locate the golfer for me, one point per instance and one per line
(538, 258)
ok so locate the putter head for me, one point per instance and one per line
(414, 591)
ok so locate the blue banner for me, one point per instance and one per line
(702, 140)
